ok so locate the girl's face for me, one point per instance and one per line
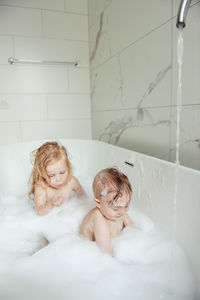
(57, 173)
(114, 211)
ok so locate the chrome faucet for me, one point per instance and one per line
(182, 13)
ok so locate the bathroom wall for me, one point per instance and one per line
(134, 77)
(44, 101)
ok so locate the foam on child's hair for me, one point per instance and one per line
(145, 264)
(104, 192)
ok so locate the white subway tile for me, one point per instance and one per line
(20, 21)
(33, 79)
(56, 129)
(45, 4)
(6, 49)
(77, 6)
(23, 107)
(9, 133)
(79, 80)
(69, 106)
(61, 50)
(65, 25)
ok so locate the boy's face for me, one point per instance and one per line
(57, 173)
(116, 209)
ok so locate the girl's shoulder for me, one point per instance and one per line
(73, 180)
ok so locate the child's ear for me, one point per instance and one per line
(97, 201)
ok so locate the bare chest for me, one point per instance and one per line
(64, 192)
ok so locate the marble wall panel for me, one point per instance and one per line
(146, 70)
(190, 72)
(148, 133)
(133, 19)
(189, 139)
(134, 68)
(95, 8)
(106, 86)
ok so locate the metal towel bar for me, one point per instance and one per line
(13, 61)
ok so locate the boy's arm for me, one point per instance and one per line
(42, 206)
(77, 187)
(127, 221)
(102, 235)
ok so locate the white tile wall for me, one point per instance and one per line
(22, 107)
(20, 21)
(10, 132)
(69, 107)
(56, 129)
(33, 79)
(77, 6)
(45, 4)
(65, 25)
(6, 49)
(44, 101)
(79, 80)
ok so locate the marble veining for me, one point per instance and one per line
(160, 76)
(116, 128)
(98, 36)
(113, 132)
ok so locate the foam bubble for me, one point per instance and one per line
(145, 266)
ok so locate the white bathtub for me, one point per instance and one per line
(152, 180)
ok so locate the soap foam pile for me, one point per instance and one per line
(145, 265)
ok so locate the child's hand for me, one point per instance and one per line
(57, 201)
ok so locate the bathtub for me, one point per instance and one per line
(153, 182)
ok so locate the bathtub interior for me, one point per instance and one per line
(152, 181)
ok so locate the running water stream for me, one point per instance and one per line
(178, 113)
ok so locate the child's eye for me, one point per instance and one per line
(52, 175)
(116, 208)
(63, 172)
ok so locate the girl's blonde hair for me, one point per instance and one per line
(45, 155)
(111, 180)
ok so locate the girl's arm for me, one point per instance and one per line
(42, 206)
(77, 188)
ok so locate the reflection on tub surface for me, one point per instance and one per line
(146, 265)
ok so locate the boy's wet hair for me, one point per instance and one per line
(111, 180)
(45, 155)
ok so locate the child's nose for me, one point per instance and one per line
(58, 177)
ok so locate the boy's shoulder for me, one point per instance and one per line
(97, 216)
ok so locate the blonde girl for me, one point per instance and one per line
(51, 178)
